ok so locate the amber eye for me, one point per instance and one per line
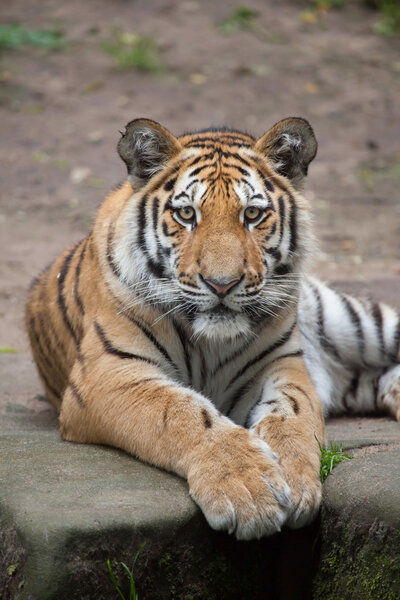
(252, 213)
(186, 213)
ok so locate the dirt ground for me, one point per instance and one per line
(61, 112)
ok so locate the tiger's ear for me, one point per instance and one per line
(290, 145)
(145, 147)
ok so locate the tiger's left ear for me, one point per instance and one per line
(145, 147)
(290, 145)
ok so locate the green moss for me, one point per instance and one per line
(369, 571)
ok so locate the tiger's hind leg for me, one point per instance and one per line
(388, 397)
(352, 351)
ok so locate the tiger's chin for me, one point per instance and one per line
(217, 327)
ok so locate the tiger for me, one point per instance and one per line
(186, 330)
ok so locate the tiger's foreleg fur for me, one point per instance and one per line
(352, 350)
(288, 414)
(126, 400)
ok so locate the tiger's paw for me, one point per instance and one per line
(239, 485)
(389, 392)
(306, 497)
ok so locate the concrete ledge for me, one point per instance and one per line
(66, 508)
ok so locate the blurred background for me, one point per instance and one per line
(72, 74)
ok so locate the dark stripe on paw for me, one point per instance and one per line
(76, 394)
(206, 419)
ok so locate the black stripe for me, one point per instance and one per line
(325, 342)
(60, 299)
(378, 319)
(110, 349)
(396, 341)
(295, 354)
(153, 339)
(211, 146)
(155, 268)
(170, 184)
(202, 168)
(156, 206)
(221, 139)
(285, 337)
(355, 319)
(76, 394)
(281, 204)
(267, 183)
(46, 382)
(292, 225)
(185, 343)
(129, 385)
(293, 402)
(232, 356)
(206, 418)
(275, 253)
(45, 362)
(78, 298)
(44, 329)
(240, 169)
(110, 256)
(237, 156)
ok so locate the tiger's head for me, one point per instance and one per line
(216, 230)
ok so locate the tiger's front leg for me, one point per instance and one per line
(288, 416)
(129, 401)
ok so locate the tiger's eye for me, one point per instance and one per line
(186, 213)
(252, 213)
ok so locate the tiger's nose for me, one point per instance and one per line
(219, 286)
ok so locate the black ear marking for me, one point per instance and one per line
(290, 145)
(145, 147)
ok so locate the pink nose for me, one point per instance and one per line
(221, 288)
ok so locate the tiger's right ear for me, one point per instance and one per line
(145, 147)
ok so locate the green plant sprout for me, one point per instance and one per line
(15, 35)
(132, 588)
(131, 51)
(330, 458)
(242, 18)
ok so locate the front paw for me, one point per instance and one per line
(300, 464)
(239, 485)
(306, 496)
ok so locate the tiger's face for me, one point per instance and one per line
(217, 232)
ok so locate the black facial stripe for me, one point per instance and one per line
(155, 208)
(109, 255)
(170, 184)
(281, 204)
(202, 168)
(275, 253)
(292, 225)
(267, 184)
(244, 172)
(164, 227)
(155, 268)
